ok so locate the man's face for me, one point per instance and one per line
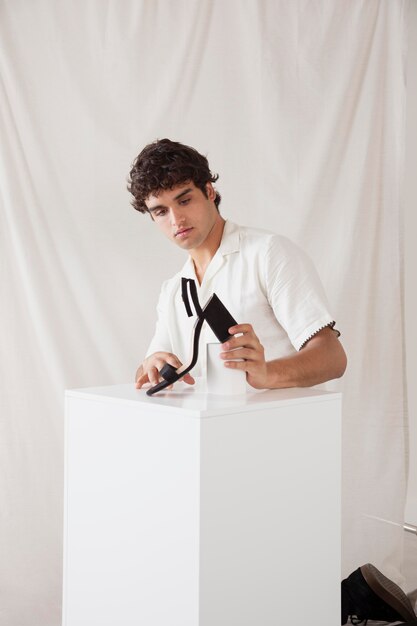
(184, 214)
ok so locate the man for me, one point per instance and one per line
(288, 337)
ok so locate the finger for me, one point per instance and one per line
(242, 341)
(240, 328)
(159, 363)
(168, 357)
(153, 375)
(238, 365)
(172, 360)
(249, 354)
(248, 338)
(188, 379)
(141, 381)
(159, 359)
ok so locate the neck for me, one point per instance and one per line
(202, 256)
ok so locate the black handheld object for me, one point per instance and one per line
(217, 317)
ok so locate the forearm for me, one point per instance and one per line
(321, 359)
(313, 365)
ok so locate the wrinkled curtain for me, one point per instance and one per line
(300, 108)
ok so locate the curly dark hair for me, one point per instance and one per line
(164, 164)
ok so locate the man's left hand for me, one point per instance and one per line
(247, 347)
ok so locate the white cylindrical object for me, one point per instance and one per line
(222, 380)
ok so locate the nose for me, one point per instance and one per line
(176, 216)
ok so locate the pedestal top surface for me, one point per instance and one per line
(192, 400)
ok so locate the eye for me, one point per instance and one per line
(184, 201)
(160, 212)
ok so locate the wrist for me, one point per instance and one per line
(270, 375)
(278, 375)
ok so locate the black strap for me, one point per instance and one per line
(194, 297)
(184, 294)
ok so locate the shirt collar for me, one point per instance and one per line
(229, 243)
(230, 239)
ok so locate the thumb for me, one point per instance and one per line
(189, 379)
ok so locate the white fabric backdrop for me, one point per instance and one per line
(300, 108)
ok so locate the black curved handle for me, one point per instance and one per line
(162, 385)
(168, 372)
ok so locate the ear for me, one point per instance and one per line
(211, 192)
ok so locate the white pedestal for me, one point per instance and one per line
(186, 509)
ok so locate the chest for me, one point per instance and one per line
(239, 283)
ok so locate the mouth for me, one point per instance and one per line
(183, 232)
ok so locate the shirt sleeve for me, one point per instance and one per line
(295, 292)
(161, 341)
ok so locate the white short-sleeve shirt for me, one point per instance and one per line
(263, 279)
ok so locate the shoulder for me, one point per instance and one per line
(168, 289)
(170, 283)
(270, 243)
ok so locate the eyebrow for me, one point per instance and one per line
(177, 197)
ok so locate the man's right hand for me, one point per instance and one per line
(148, 372)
